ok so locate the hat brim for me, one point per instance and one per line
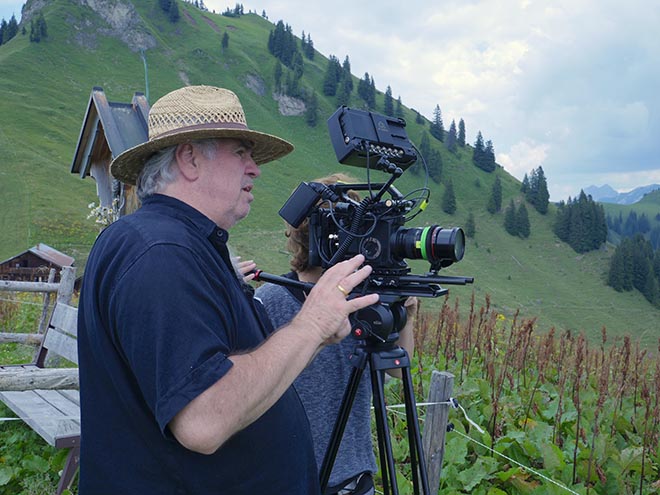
(127, 166)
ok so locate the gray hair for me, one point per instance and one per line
(159, 169)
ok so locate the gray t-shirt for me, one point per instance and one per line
(321, 387)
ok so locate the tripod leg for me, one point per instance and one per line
(383, 431)
(417, 461)
(340, 422)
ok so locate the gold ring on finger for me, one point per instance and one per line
(343, 291)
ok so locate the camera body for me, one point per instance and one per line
(372, 235)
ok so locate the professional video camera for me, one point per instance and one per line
(341, 227)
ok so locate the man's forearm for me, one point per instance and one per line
(254, 383)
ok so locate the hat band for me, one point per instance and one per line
(199, 127)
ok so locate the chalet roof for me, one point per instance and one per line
(46, 253)
(108, 129)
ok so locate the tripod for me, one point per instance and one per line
(380, 355)
(380, 325)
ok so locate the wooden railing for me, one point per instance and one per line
(64, 293)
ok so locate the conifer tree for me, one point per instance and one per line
(510, 220)
(470, 226)
(277, 76)
(311, 112)
(10, 30)
(346, 75)
(449, 198)
(332, 77)
(38, 28)
(461, 133)
(495, 200)
(452, 138)
(398, 112)
(522, 221)
(344, 93)
(524, 187)
(367, 91)
(174, 15)
(437, 127)
(3, 28)
(225, 43)
(479, 150)
(536, 190)
(388, 104)
(489, 157)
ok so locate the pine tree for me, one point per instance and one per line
(452, 138)
(174, 14)
(470, 227)
(479, 150)
(495, 200)
(522, 221)
(437, 127)
(367, 91)
(388, 104)
(524, 187)
(510, 223)
(225, 43)
(449, 198)
(311, 112)
(489, 157)
(277, 76)
(616, 273)
(542, 195)
(363, 87)
(399, 108)
(10, 30)
(346, 75)
(344, 93)
(461, 133)
(332, 77)
(372, 94)
(3, 28)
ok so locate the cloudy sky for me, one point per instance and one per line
(569, 85)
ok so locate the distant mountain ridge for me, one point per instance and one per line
(606, 194)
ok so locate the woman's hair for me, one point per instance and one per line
(159, 170)
(298, 238)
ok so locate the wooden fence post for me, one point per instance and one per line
(43, 321)
(67, 281)
(435, 425)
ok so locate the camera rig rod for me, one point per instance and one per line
(261, 276)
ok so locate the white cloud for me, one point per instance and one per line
(523, 157)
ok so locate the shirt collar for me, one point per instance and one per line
(184, 211)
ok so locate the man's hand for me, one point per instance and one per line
(325, 312)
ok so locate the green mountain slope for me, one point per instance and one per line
(45, 87)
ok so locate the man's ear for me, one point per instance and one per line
(185, 159)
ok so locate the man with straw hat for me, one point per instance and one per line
(184, 387)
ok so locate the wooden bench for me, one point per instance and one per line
(53, 411)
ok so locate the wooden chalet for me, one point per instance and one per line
(34, 264)
(108, 129)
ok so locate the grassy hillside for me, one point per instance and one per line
(44, 90)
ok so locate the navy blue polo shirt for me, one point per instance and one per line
(161, 311)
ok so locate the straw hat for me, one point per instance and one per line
(196, 112)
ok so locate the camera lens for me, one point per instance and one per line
(434, 244)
